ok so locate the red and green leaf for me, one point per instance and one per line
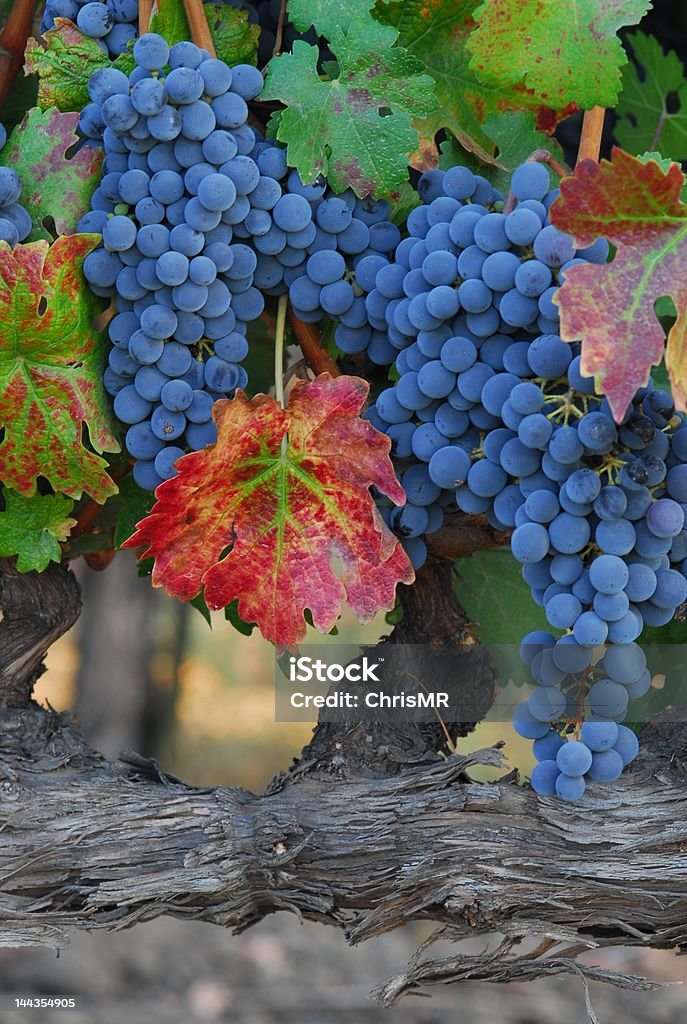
(51, 362)
(637, 207)
(526, 43)
(248, 521)
(437, 32)
(64, 65)
(53, 185)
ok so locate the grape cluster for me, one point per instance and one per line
(200, 219)
(175, 187)
(112, 23)
(571, 690)
(311, 242)
(15, 221)
(490, 410)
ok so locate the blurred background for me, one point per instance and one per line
(143, 672)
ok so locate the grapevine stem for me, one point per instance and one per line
(198, 23)
(592, 130)
(279, 350)
(13, 42)
(540, 156)
(309, 340)
(145, 13)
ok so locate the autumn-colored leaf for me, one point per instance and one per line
(51, 362)
(53, 186)
(637, 207)
(437, 31)
(250, 522)
(32, 528)
(566, 53)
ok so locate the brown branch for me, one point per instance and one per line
(462, 535)
(309, 340)
(198, 23)
(592, 130)
(145, 13)
(13, 39)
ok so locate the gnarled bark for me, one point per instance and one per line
(365, 845)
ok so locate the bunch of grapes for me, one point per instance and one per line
(491, 411)
(15, 221)
(575, 714)
(176, 184)
(313, 245)
(112, 23)
(200, 219)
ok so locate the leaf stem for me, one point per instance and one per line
(540, 156)
(280, 29)
(279, 350)
(592, 130)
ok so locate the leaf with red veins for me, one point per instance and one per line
(51, 363)
(250, 522)
(637, 207)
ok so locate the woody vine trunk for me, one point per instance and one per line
(367, 832)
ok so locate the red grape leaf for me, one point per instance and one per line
(51, 362)
(637, 207)
(250, 522)
(566, 53)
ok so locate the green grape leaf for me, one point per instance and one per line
(63, 66)
(54, 188)
(644, 121)
(496, 597)
(437, 34)
(407, 200)
(357, 128)
(235, 39)
(133, 504)
(577, 61)
(32, 528)
(51, 362)
(515, 137)
(328, 16)
(169, 19)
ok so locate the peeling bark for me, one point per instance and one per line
(366, 844)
